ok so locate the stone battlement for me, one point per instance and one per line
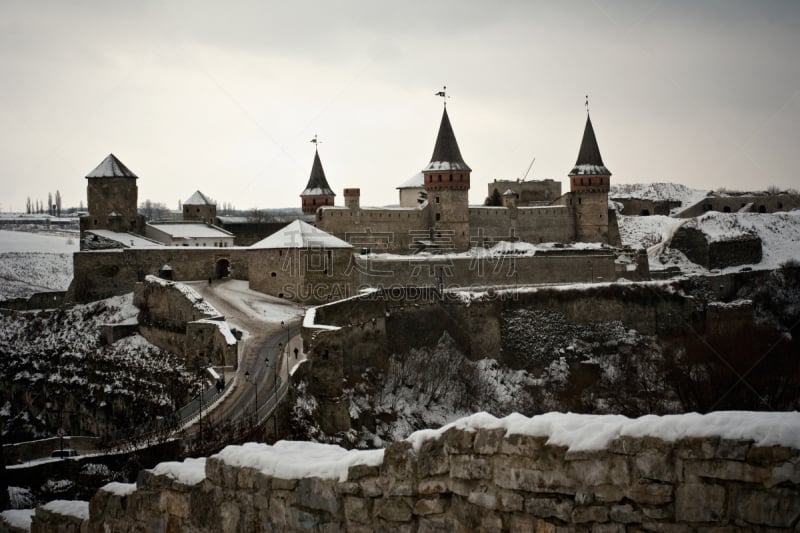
(736, 470)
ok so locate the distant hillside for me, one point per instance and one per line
(658, 192)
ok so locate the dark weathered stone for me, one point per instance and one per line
(699, 503)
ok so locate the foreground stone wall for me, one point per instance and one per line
(488, 479)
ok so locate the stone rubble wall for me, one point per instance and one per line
(171, 320)
(486, 480)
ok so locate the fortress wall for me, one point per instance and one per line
(535, 224)
(553, 473)
(307, 275)
(558, 266)
(381, 230)
(102, 274)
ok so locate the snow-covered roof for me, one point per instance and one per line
(111, 167)
(414, 182)
(199, 198)
(299, 234)
(191, 231)
(129, 240)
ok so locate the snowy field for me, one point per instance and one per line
(35, 262)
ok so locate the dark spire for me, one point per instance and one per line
(317, 184)
(589, 160)
(446, 149)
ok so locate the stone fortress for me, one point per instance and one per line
(434, 238)
(434, 212)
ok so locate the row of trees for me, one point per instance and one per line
(52, 207)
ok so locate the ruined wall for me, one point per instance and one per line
(37, 300)
(766, 203)
(175, 318)
(488, 478)
(99, 275)
(641, 207)
(698, 248)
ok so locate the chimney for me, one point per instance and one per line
(352, 199)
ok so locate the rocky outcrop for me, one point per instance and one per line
(716, 472)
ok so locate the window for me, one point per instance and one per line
(438, 216)
(451, 177)
(273, 274)
(436, 198)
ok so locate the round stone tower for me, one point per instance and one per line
(446, 181)
(589, 184)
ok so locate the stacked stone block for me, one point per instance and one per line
(486, 480)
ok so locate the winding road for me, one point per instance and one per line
(269, 324)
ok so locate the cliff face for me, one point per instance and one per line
(586, 473)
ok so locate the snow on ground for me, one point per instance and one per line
(658, 191)
(297, 459)
(258, 305)
(35, 262)
(24, 241)
(594, 432)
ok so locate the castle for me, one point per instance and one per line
(350, 247)
(435, 215)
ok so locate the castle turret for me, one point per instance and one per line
(112, 196)
(446, 180)
(589, 184)
(201, 208)
(589, 172)
(317, 192)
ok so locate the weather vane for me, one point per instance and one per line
(443, 94)
(315, 140)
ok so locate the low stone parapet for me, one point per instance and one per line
(555, 472)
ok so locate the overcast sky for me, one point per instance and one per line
(225, 96)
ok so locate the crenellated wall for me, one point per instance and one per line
(556, 472)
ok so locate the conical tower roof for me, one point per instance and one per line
(589, 160)
(111, 167)
(199, 198)
(446, 155)
(317, 184)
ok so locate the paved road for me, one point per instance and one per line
(259, 316)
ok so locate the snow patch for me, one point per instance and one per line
(189, 472)
(295, 460)
(579, 432)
